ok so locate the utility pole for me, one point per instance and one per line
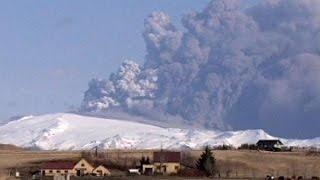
(96, 151)
(161, 158)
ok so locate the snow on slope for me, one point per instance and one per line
(66, 131)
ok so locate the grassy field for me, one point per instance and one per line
(11, 157)
(231, 163)
(259, 164)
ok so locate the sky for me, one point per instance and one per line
(247, 66)
(49, 50)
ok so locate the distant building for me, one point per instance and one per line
(148, 169)
(101, 171)
(133, 171)
(14, 172)
(83, 168)
(70, 168)
(270, 144)
(63, 168)
(166, 162)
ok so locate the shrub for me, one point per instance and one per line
(224, 147)
(188, 160)
(248, 146)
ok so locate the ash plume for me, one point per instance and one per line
(230, 67)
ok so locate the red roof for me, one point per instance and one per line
(58, 165)
(166, 156)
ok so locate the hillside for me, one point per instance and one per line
(65, 131)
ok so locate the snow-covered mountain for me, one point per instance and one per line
(65, 131)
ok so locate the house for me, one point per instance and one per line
(64, 168)
(101, 171)
(83, 168)
(166, 162)
(71, 168)
(270, 144)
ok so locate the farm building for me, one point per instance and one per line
(148, 169)
(167, 162)
(71, 168)
(101, 171)
(270, 144)
(58, 168)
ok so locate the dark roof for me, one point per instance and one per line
(273, 141)
(58, 165)
(166, 156)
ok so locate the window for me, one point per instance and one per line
(176, 167)
(66, 171)
(58, 171)
(50, 171)
(82, 165)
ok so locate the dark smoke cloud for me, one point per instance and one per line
(256, 67)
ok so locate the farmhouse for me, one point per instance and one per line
(101, 171)
(270, 144)
(70, 168)
(166, 162)
(58, 168)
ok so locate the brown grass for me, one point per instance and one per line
(244, 163)
(11, 158)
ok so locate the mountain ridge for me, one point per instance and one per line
(67, 131)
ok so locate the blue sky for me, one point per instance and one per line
(49, 50)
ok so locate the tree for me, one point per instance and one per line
(144, 161)
(207, 162)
